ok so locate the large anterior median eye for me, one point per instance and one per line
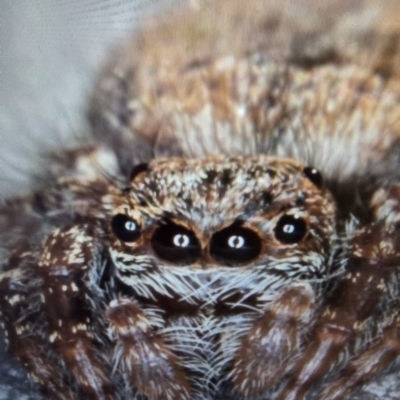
(176, 243)
(235, 245)
(290, 229)
(125, 229)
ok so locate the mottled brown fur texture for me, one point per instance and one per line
(232, 230)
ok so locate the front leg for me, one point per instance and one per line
(70, 260)
(25, 327)
(148, 363)
(379, 356)
(352, 303)
(70, 270)
(373, 263)
(267, 351)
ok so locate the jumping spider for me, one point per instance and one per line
(233, 233)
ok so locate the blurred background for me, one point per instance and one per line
(50, 51)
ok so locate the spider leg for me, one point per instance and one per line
(273, 341)
(363, 368)
(25, 334)
(153, 370)
(66, 267)
(386, 348)
(374, 259)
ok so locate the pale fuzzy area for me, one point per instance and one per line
(50, 54)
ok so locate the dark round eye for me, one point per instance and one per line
(138, 169)
(125, 229)
(235, 245)
(290, 229)
(176, 243)
(314, 176)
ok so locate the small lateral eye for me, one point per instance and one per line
(235, 245)
(138, 169)
(290, 229)
(125, 228)
(175, 243)
(314, 176)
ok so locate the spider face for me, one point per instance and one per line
(242, 216)
(207, 245)
(205, 278)
(214, 212)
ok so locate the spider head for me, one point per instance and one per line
(221, 225)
